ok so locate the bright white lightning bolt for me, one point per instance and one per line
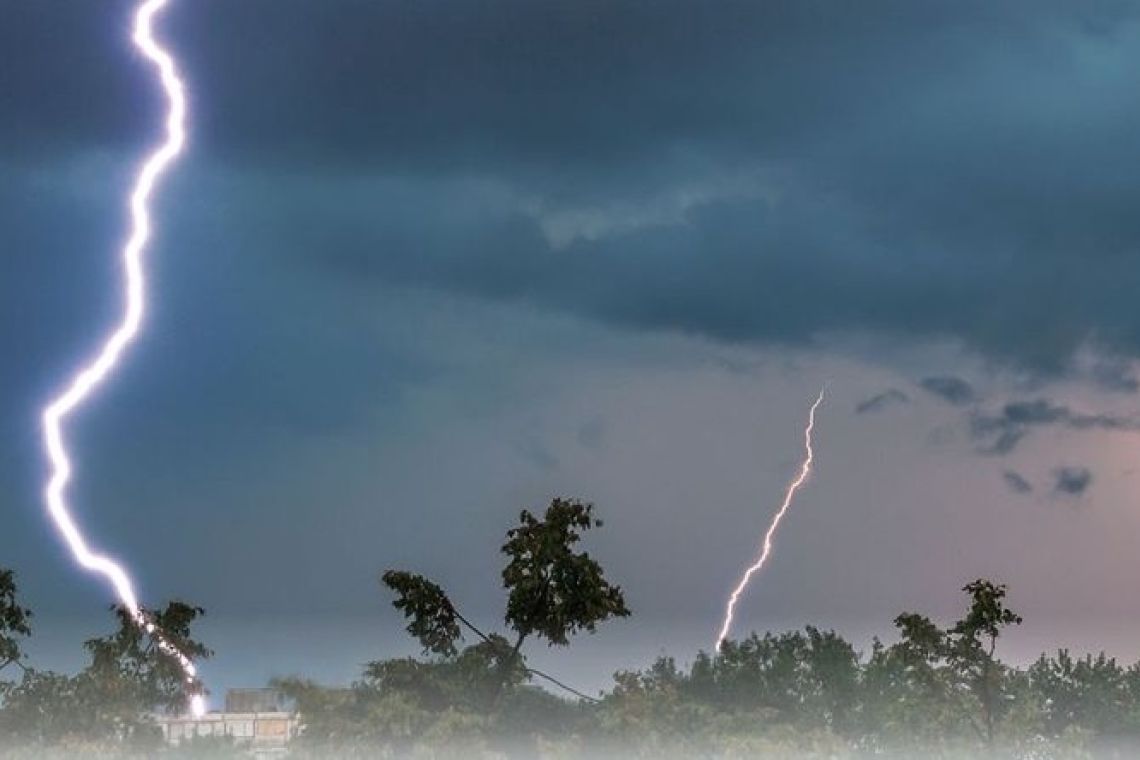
(91, 375)
(766, 549)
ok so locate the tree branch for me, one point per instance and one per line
(15, 661)
(529, 670)
(559, 684)
(468, 623)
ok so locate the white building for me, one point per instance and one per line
(254, 718)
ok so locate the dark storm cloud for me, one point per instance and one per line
(1071, 481)
(746, 171)
(1043, 412)
(1005, 429)
(953, 390)
(1016, 483)
(880, 401)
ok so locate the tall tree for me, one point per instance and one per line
(934, 679)
(553, 592)
(973, 641)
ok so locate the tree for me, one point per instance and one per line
(553, 592)
(1089, 694)
(776, 695)
(130, 670)
(130, 676)
(107, 704)
(51, 709)
(15, 621)
(806, 679)
(934, 681)
(972, 642)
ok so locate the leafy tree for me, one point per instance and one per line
(401, 708)
(776, 695)
(434, 620)
(131, 672)
(1091, 694)
(972, 643)
(46, 708)
(109, 702)
(662, 710)
(553, 592)
(804, 678)
(936, 682)
(15, 621)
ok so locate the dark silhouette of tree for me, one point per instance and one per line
(972, 642)
(934, 681)
(15, 621)
(132, 672)
(553, 592)
(108, 703)
(434, 620)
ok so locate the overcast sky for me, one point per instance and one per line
(427, 263)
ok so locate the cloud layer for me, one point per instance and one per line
(748, 171)
(1071, 481)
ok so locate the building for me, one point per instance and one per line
(259, 719)
(256, 701)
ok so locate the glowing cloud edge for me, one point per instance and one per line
(91, 375)
(766, 548)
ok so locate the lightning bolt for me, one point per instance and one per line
(91, 375)
(766, 549)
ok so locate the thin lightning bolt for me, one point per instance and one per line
(766, 550)
(91, 376)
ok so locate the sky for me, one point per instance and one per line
(427, 264)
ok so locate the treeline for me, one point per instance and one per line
(934, 691)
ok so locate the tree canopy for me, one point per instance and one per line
(553, 592)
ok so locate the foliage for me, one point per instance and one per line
(553, 592)
(935, 691)
(108, 704)
(129, 671)
(15, 620)
(433, 618)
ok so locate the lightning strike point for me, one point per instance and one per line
(766, 548)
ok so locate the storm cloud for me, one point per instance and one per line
(1008, 427)
(1071, 481)
(764, 172)
(952, 390)
(881, 401)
